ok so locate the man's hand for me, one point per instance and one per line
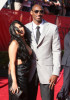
(52, 81)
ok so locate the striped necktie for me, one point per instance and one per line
(37, 34)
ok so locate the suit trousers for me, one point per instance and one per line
(46, 92)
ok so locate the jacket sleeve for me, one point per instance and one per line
(56, 50)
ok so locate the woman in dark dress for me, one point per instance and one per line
(19, 61)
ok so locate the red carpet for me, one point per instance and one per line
(4, 88)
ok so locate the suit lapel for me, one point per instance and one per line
(33, 40)
(45, 29)
(32, 36)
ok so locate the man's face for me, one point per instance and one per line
(37, 13)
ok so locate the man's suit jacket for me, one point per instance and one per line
(47, 53)
(66, 56)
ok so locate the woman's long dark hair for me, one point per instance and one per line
(12, 30)
(14, 36)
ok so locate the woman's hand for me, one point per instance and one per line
(14, 88)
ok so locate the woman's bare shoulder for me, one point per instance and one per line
(13, 45)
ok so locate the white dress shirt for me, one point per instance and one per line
(34, 28)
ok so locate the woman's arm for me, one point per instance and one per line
(12, 57)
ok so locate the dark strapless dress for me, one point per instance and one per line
(22, 71)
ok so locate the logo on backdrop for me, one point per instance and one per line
(2, 3)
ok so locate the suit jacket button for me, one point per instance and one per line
(36, 59)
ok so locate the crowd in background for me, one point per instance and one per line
(57, 7)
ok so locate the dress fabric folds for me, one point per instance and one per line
(22, 71)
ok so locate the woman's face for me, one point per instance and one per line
(20, 29)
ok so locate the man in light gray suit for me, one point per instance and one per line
(46, 54)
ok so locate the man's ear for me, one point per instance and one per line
(31, 12)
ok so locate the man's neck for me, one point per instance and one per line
(37, 23)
